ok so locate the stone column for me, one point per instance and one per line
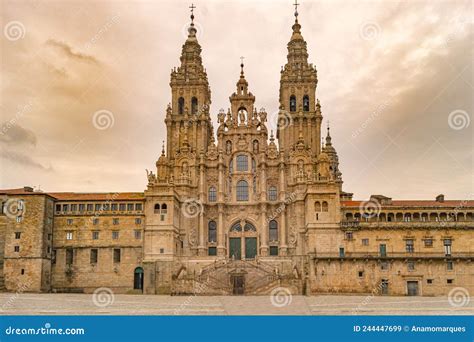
(283, 245)
(201, 225)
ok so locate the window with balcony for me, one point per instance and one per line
(272, 193)
(410, 246)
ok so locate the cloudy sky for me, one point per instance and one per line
(395, 82)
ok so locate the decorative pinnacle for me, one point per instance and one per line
(242, 65)
(163, 148)
(192, 7)
(192, 30)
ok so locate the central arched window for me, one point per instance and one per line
(292, 103)
(242, 162)
(157, 208)
(273, 230)
(272, 193)
(212, 231)
(181, 105)
(306, 103)
(242, 191)
(212, 196)
(194, 105)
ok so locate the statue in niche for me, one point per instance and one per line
(185, 169)
(263, 116)
(228, 147)
(220, 117)
(255, 146)
(242, 116)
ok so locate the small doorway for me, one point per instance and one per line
(383, 250)
(238, 284)
(138, 279)
(384, 287)
(235, 251)
(412, 288)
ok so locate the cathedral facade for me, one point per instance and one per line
(237, 210)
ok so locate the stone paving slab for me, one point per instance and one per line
(111, 304)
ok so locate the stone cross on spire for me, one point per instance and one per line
(296, 4)
(242, 65)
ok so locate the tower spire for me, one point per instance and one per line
(296, 4)
(192, 30)
(242, 66)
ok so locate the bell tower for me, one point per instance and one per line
(300, 112)
(187, 120)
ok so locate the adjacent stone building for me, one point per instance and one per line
(237, 210)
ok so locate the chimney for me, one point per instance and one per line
(440, 198)
(27, 189)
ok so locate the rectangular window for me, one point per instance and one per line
(69, 256)
(360, 274)
(384, 265)
(116, 255)
(138, 206)
(428, 242)
(410, 247)
(138, 234)
(106, 207)
(115, 221)
(17, 235)
(73, 207)
(449, 265)
(82, 207)
(447, 246)
(95, 221)
(69, 222)
(122, 207)
(90, 207)
(53, 257)
(130, 206)
(273, 250)
(58, 208)
(342, 253)
(94, 255)
(449, 281)
(114, 207)
(98, 207)
(69, 235)
(138, 220)
(429, 281)
(16, 248)
(95, 235)
(365, 242)
(349, 236)
(115, 235)
(411, 265)
(65, 207)
(212, 251)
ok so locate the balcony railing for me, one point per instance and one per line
(388, 255)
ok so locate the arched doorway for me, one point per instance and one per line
(242, 241)
(138, 279)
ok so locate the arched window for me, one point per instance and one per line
(248, 227)
(242, 191)
(157, 208)
(325, 206)
(138, 278)
(212, 197)
(272, 193)
(306, 103)
(317, 206)
(242, 162)
(194, 105)
(236, 227)
(273, 230)
(181, 105)
(164, 211)
(212, 231)
(292, 103)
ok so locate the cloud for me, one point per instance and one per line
(22, 159)
(68, 51)
(17, 135)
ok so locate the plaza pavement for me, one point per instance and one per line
(114, 304)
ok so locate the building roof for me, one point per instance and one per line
(78, 196)
(416, 203)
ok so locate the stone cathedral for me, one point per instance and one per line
(237, 210)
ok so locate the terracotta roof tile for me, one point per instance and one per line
(417, 203)
(80, 196)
